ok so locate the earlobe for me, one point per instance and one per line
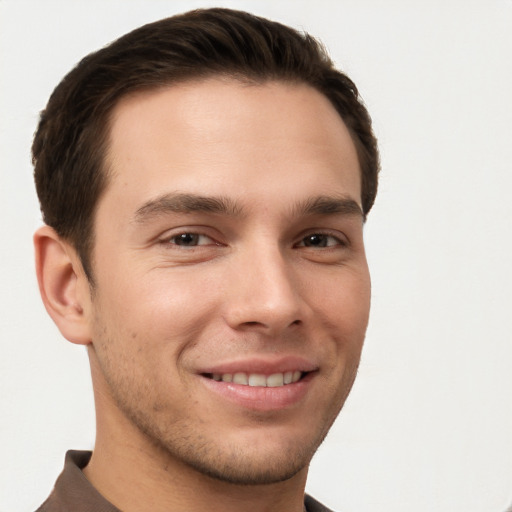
(63, 285)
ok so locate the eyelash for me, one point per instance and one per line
(322, 238)
(194, 235)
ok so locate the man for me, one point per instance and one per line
(204, 181)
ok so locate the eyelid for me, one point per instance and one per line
(341, 238)
(200, 238)
(168, 236)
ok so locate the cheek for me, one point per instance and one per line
(346, 312)
(344, 302)
(159, 311)
(178, 302)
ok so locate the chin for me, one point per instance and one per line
(262, 458)
(240, 468)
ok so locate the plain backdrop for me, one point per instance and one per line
(428, 426)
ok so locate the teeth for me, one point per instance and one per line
(275, 380)
(258, 379)
(240, 378)
(255, 379)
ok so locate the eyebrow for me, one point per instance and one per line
(192, 203)
(330, 205)
(186, 203)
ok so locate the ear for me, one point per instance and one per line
(63, 285)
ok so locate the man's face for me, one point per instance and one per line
(232, 290)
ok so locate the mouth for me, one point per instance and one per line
(261, 384)
(274, 380)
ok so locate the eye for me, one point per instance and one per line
(320, 240)
(190, 240)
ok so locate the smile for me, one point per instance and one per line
(274, 380)
(261, 385)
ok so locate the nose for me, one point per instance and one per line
(264, 293)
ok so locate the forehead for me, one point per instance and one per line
(221, 136)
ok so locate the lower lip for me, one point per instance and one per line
(260, 398)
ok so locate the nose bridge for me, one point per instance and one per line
(265, 292)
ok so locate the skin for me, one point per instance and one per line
(271, 274)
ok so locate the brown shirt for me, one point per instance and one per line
(74, 493)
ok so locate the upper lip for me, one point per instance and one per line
(262, 366)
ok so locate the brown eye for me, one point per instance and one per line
(187, 239)
(320, 240)
(190, 240)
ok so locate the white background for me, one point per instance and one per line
(428, 426)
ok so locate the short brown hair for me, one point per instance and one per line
(71, 140)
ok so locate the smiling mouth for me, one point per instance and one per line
(274, 380)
